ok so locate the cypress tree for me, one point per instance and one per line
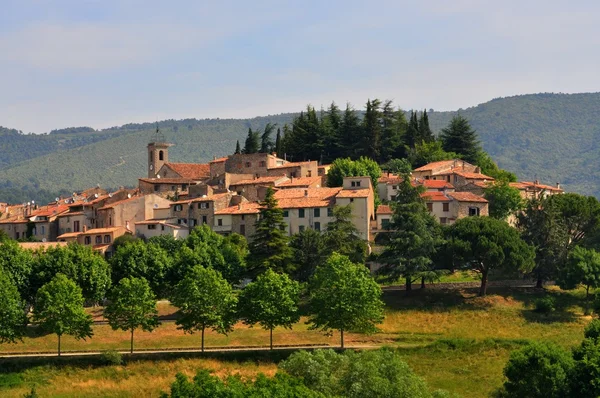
(392, 133)
(459, 137)
(372, 130)
(269, 248)
(349, 135)
(266, 145)
(237, 148)
(278, 143)
(412, 132)
(424, 129)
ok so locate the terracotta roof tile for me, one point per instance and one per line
(292, 164)
(435, 197)
(319, 193)
(103, 230)
(354, 193)
(535, 185)
(243, 208)
(117, 203)
(435, 184)
(298, 203)
(68, 235)
(190, 170)
(433, 165)
(168, 180)
(260, 180)
(384, 209)
(466, 197)
(301, 182)
(468, 175)
(219, 160)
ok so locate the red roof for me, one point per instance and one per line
(534, 185)
(190, 170)
(168, 180)
(292, 164)
(301, 182)
(435, 196)
(434, 165)
(468, 175)
(219, 160)
(260, 180)
(242, 208)
(384, 209)
(306, 197)
(466, 197)
(354, 193)
(436, 184)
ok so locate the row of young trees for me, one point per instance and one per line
(341, 295)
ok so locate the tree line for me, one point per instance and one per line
(382, 133)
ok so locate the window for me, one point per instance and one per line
(184, 187)
(243, 230)
(301, 213)
(317, 212)
(204, 205)
(448, 178)
(162, 227)
(329, 212)
(173, 187)
(443, 220)
(301, 228)
(18, 234)
(351, 200)
(243, 217)
(87, 240)
(286, 213)
(181, 221)
(446, 206)
(98, 239)
(34, 231)
(455, 178)
(178, 207)
(262, 163)
(427, 177)
(394, 187)
(473, 211)
(204, 219)
(220, 222)
(161, 155)
(309, 173)
(110, 221)
(106, 238)
(385, 224)
(355, 183)
(430, 207)
(248, 164)
(193, 222)
(151, 226)
(156, 187)
(75, 226)
(317, 226)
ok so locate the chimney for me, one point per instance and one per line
(240, 206)
(463, 165)
(477, 169)
(306, 193)
(558, 185)
(85, 228)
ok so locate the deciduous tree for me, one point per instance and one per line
(205, 300)
(132, 306)
(59, 309)
(582, 267)
(13, 318)
(343, 296)
(504, 200)
(270, 301)
(309, 253)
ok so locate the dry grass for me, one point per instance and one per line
(414, 324)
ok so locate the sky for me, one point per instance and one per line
(67, 63)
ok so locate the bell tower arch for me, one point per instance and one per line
(158, 153)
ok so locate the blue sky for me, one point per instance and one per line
(105, 63)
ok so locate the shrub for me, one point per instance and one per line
(111, 358)
(596, 304)
(592, 330)
(545, 305)
(540, 369)
(585, 380)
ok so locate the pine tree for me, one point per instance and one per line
(278, 144)
(372, 130)
(251, 145)
(424, 129)
(266, 145)
(330, 127)
(349, 133)
(392, 134)
(237, 148)
(460, 138)
(269, 248)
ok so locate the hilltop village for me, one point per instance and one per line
(226, 193)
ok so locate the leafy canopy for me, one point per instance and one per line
(13, 319)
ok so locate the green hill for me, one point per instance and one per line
(549, 136)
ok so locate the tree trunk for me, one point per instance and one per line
(59, 345)
(271, 338)
(342, 337)
(423, 283)
(203, 338)
(540, 283)
(131, 348)
(408, 284)
(587, 293)
(484, 281)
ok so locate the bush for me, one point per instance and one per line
(545, 305)
(541, 370)
(365, 374)
(596, 304)
(585, 380)
(592, 330)
(111, 358)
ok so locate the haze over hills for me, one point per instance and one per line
(553, 137)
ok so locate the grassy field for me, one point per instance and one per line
(453, 339)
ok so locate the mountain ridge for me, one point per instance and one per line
(552, 137)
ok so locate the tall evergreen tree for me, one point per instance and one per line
(238, 150)
(266, 144)
(372, 130)
(278, 143)
(459, 137)
(415, 239)
(349, 135)
(394, 126)
(330, 128)
(252, 145)
(413, 135)
(269, 248)
(424, 129)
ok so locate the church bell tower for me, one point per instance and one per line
(158, 153)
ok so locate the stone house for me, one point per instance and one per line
(254, 189)
(239, 219)
(432, 169)
(101, 239)
(126, 212)
(447, 207)
(296, 169)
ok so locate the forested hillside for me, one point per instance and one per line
(553, 137)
